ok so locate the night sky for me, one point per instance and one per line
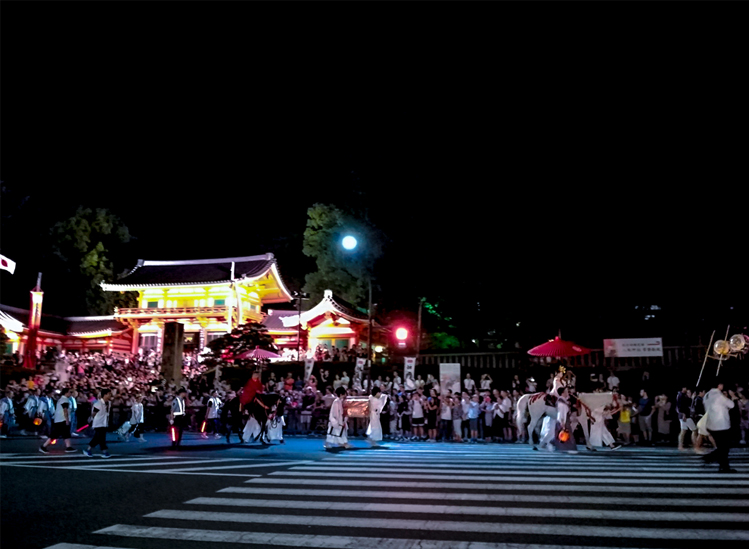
(562, 214)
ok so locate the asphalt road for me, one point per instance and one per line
(210, 494)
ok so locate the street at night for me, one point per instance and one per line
(210, 495)
(517, 323)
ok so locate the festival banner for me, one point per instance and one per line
(450, 377)
(409, 368)
(633, 347)
(309, 363)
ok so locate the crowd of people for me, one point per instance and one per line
(480, 411)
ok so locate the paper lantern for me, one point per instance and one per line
(722, 347)
(737, 343)
(38, 421)
(564, 435)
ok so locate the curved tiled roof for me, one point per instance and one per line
(74, 325)
(199, 271)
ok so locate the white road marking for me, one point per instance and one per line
(323, 492)
(214, 460)
(252, 465)
(467, 485)
(418, 474)
(698, 473)
(435, 525)
(474, 510)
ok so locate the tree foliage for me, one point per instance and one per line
(245, 337)
(346, 272)
(86, 244)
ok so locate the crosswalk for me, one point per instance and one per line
(450, 497)
(159, 465)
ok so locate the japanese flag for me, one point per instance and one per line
(7, 265)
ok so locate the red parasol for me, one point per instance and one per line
(257, 352)
(559, 348)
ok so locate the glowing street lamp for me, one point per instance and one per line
(349, 242)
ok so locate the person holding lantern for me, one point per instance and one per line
(564, 441)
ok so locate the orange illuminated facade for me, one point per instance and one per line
(208, 296)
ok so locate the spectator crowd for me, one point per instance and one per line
(481, 411)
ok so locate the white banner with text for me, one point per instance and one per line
(623, 348)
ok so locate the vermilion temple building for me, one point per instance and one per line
(207, 296)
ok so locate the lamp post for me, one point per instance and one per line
(350, 243)
(299, 296)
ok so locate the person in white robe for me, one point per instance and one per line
(337, 427)
(377, 402)
(276, 424)
(599, 434)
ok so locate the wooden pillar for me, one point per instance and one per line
(174, 335)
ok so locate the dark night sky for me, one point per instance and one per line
(559, 210)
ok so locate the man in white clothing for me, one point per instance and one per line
(212, 417)
(337, 427)
(719, 426)
(61, 424)
(468, 384)
(376, 403)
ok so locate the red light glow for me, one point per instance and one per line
(401, 333)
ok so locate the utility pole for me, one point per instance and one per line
(418, 330)
(369, 338)
(299, 297)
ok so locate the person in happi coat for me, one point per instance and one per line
(337, 427)
(377, 402)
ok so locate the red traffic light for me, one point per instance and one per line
(401, 334)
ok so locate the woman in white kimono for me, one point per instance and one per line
(337, 435)
(377, 402)
(599, 434)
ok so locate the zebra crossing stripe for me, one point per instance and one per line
(512, 470)
(467, 485)
(473, 510)
(120, 465)
(357, 492)
(420, 474)
(457, 527)
(300, 540)
(243, 466)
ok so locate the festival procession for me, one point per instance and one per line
(260, 386)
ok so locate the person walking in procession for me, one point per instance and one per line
(377, 402)
(337, 426)
(61, 424)
(100, 422)
(719, 426)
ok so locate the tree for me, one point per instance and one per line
(245, 337)
(346, 273)
(85, 244)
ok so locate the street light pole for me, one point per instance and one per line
(299, 297)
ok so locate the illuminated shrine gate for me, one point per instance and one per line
(208, 296)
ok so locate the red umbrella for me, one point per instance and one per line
(257, 352)
(559, 348)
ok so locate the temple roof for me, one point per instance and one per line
(202, 271)
(277, 320)
(17, 319)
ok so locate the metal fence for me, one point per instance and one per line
(510, 360)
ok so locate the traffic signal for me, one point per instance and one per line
(401, 334)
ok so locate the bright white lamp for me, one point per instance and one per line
(349, 242)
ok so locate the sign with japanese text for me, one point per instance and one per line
(652, 346)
